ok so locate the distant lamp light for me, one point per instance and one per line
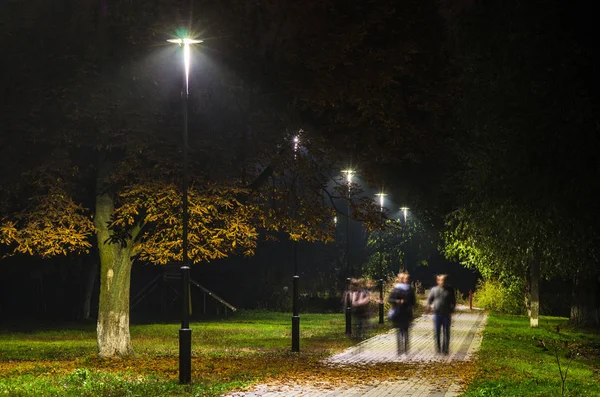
(296, 144)
(404, 211)
(335, 220)
(381, 199)
(349, 173)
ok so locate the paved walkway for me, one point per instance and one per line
(465, 340)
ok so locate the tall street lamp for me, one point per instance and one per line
(381, 201)
(296, 277)
(349, 173)
(185, 333)
(404, 212)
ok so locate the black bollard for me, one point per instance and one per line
(295, 318)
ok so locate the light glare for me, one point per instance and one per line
(296, 144)
(186, 56)
(184, 41)
(349, 173)
(186, 61)
(381, 198)
(404, 210)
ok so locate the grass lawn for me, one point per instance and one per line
(227, 353)
(513, 361)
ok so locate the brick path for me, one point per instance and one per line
(465, 340)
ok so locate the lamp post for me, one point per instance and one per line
(349, 173)
(404, 212)
(381, 200)
(185, 333)
(296, 278)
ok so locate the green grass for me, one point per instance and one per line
(513, 361)
(227, 353)
(95, 383)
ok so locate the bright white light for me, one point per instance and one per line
(349, 173)
(186, 57)
(296, 144)
(381, 198)
(404, 210)
(184, 41)
(335, 220)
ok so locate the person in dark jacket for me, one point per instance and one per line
(442, 301)
(403, 300)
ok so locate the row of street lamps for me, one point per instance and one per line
(185, 333)
(348, 311)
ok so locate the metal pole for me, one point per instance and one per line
(349, 273)
(380, 287)
(381, 236)
(348, 309)
(295, 293)
(185, 333)
(296, 277)
(470, 299)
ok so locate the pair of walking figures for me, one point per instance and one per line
(441, 301)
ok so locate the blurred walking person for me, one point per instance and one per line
(442, 301)
(360, 299)
(403, 300)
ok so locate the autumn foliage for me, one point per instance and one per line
(53, 224)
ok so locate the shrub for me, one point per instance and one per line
(460, 298)
(500, 297)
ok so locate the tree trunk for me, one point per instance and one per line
(585, 308)
(114, 339)
(92, 272)
(527, 294)
(535, 294)
(112, 330)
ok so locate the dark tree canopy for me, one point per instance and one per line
(527, 133)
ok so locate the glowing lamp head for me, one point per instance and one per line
(296, 144)
(404, 210)
(185, 42)
(349, 173)
(381, 199)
